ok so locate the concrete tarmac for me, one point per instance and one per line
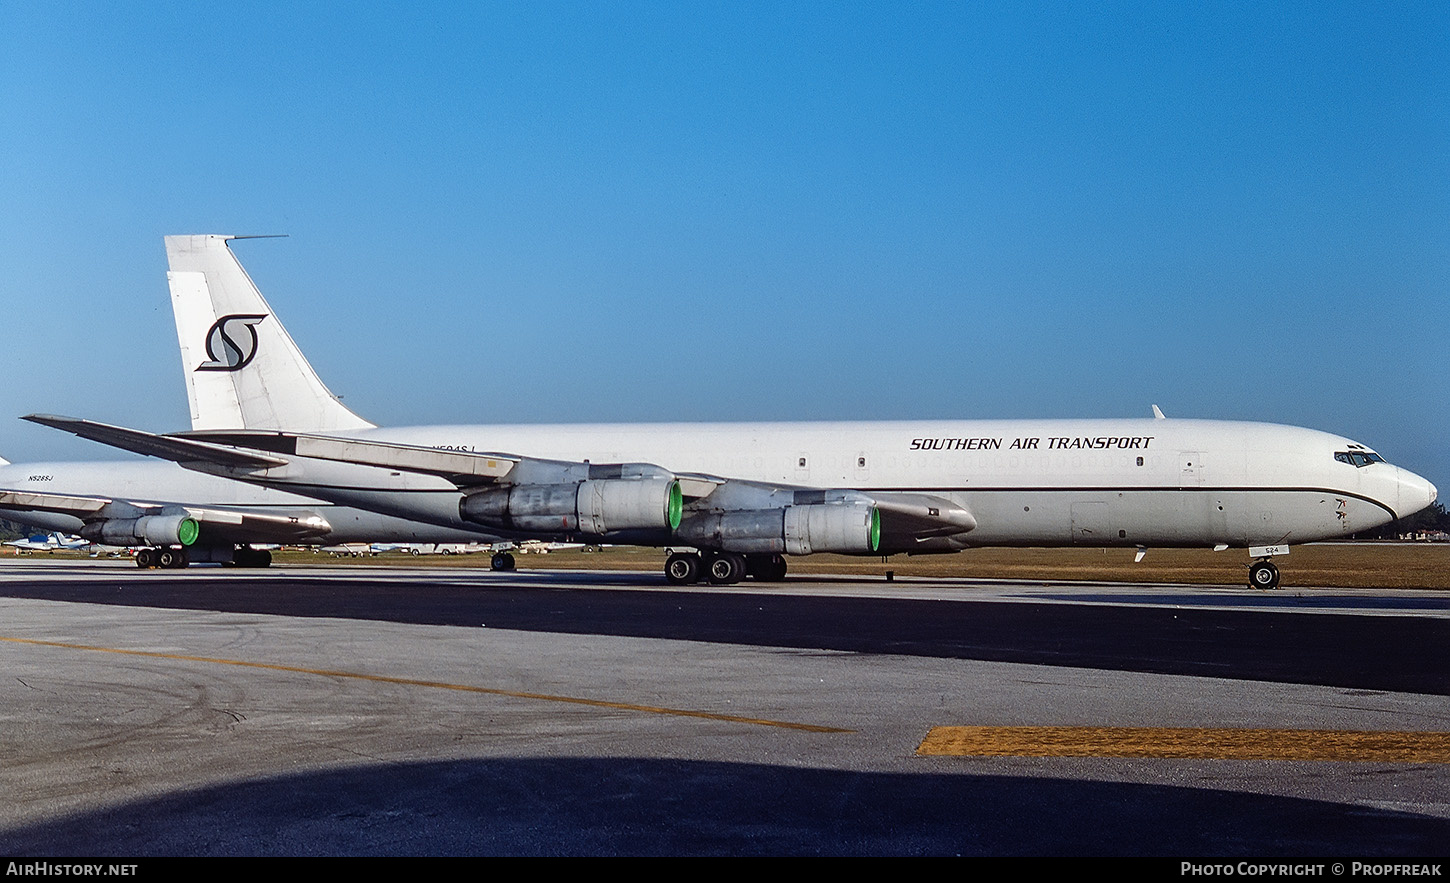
(381, 711)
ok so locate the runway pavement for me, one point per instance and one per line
(346, 710)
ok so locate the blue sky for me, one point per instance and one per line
(519, 212)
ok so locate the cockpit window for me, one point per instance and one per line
(1358, 458)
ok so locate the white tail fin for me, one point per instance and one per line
(242, 369)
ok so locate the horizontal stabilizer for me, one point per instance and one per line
(166, 447)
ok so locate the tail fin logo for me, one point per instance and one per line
(231, 343)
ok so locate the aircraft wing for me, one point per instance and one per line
(25, 501)
(916, 514)
(707, 508)
(166, 447)
(107, 517)
(244, 449)
(463, 468)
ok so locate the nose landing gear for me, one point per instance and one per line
(1263, 575)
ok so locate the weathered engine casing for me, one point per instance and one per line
(594, 506)
(831, 528)
(750, 530)
(607, 505)
(547, 508)
(792, 530)
(150, 530)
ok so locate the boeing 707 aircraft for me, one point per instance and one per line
(733, 500)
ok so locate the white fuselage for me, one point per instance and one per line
(1149, 482)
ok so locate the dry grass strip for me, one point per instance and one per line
(1161, 742)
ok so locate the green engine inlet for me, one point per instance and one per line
(187, 531)
(675, 506)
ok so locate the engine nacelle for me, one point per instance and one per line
(150, 530)
(594, 506)
(792, 530)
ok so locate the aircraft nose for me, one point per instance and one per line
(1415, 493)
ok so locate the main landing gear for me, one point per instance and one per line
(502, 562)
(165, 557)
(722, 568)
(1263, 575)
(174, 558)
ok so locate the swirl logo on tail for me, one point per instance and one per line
(231, 343)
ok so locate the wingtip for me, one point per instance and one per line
(52, 420)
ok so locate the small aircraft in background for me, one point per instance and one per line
(48, 542)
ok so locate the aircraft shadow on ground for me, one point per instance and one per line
(1390, 653)
(672, 807)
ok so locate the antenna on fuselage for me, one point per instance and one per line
(1157, 414)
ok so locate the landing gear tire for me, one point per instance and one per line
(766, 568)
(503, 562)
(146, 559)
(172, 558)
(1263, 575)
(683, 569)
(725, 569)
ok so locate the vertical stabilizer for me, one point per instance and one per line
(242, 369)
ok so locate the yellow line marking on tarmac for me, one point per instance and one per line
(442, 685)
(1164, 742)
